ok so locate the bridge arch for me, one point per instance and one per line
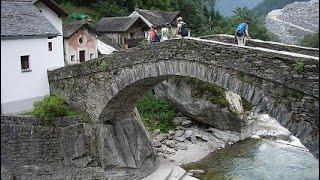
(109, 88)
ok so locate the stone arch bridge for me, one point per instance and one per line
(283, 84)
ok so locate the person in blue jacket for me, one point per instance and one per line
(241, 34)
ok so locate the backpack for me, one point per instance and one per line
(184, 30)
(241, 29)
(158, 37)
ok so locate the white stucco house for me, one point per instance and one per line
(31, 43)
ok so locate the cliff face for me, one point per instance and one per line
(294, 21)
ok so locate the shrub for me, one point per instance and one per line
(311, 40)
(299, 66)
(156, 113)
(51, 107)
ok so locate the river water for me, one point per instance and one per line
(258, 159)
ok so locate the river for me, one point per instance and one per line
(258, 159)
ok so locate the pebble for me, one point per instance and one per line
(170, 143)
(156, 132)
(188, 133)
(186, 122)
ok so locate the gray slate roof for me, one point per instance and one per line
(70, 28)
(107, 40)
(158, 17)
(115, 24)
(23, 19)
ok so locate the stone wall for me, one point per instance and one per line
(266, 44)
(108, 88)
(70, 148)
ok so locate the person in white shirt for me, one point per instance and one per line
(164, 32)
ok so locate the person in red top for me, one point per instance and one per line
(152, 36)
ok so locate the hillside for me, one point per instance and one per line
(294, 21)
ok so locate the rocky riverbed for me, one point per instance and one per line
(190, 141)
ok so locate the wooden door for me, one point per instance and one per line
(82, 56)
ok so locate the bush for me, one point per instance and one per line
(311, 40)
(156, 113)
(51, 107)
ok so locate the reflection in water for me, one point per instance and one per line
(256, 159)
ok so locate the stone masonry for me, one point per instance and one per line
(72, 149)
(283, 84)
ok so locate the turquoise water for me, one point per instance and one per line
(256, 159)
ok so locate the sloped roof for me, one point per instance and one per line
(70, 28)
(158, 17)
(53, 6)
(115, 24)
(109, 41)
(22, 18)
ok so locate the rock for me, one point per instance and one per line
(179, 133)
(294, 21)
(170, 132)
(196, 171)
(177, 120)
(180, 139)
(186, 122)
(156, 144)
(169, 151)
(205, 138)
(188, 133)
(234, 102)
(197, 109)
(181, 147)
(156, 132)
(193, 139)
(160, 137)
(170, 143)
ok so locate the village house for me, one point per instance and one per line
(126, 31)
(157, 18)
(31, 43)
(80, 42)
(106, 45)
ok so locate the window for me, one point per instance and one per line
(80, 40)
(91, 56)
(25, 63)
(50, 46)
(72, 58)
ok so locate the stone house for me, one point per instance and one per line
(126, 31)
(157, 18)
(31, 43)
(79, 42)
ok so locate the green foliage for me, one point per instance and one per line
(299, 66)
(247, 106)
(156, 113)
(51, 107)
(78, 12)
(311, 40)
(54, 106)
(105, 65)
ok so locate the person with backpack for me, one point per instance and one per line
(164, 32)
(152, 35)
(241, 34)
(182, 28)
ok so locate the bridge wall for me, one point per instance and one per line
(109, 88)
(71, 149)
(266, 44)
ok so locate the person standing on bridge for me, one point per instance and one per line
(182, 28)
(152, 35)
(241, 34)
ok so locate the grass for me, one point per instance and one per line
(156, 113)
